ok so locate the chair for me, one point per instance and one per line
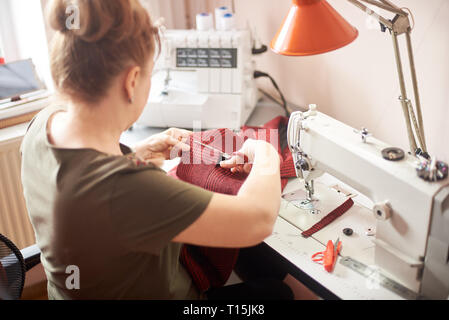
(14, 264)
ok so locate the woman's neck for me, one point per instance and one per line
(97, 127)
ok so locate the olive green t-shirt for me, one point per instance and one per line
(112, 218)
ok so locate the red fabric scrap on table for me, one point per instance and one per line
(337, 212)
(211, 267)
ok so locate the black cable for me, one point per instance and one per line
(260, 74)
(260, 50)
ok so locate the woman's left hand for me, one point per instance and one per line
(163, 146)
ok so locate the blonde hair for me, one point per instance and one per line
(112, 36)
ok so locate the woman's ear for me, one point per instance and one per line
(131, 82)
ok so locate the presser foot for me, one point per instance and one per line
(309, 205)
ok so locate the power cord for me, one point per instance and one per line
(262, 49)
(260, 74)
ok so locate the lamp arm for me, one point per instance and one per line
(389, 3)
(401, 24)
(416, 91)
(403, 98)
(370, 12)
(386, 5)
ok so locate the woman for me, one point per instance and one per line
(94, 206)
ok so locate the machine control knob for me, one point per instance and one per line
(302, 164)
(432, 170)
(393, 154)
(382, 211)
(364, 134)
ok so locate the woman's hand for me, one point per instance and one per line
(242, 160)
(163, 146)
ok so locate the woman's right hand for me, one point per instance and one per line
(242, 160)
(248, 218)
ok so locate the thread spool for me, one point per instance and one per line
(219, 13)
(204, 21)
(228, 22)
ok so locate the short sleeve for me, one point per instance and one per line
(149, 208)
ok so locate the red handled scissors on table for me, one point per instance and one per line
(329, 256)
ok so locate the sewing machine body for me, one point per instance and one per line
(411, 215)
(202, 77)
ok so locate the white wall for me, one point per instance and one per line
(174, 12)
(358, 84)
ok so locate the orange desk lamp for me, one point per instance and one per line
(314, 26)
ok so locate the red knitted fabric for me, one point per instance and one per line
(211, 267)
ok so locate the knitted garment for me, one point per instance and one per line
(199, 166)
(211, 267)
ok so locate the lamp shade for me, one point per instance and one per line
(312, 27)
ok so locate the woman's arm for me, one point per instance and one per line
(247, 218)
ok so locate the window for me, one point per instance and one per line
(22, 34)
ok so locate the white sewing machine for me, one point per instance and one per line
(411, 241)
(204, 78)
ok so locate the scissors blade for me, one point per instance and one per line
(336, 247)
(223, 154)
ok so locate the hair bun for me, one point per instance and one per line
(94, 20)
(95, 42)
(57, 15)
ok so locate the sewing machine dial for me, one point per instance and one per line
(432, 170)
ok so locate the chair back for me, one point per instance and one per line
(12, 270)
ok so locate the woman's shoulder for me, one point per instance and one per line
(36, 129)
(42, 116)
(92, 163)
(89, 173)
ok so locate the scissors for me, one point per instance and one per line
(329, 256)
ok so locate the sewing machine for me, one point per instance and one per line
(409, 201)
(203, 79)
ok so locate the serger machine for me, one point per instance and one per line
(204, 79)
(410, 196)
